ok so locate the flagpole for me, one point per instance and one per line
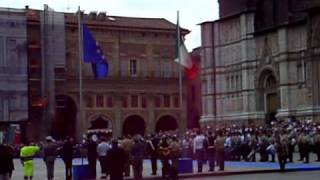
(80, 127)
(180, 67)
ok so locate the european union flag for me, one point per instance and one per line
(92, 53)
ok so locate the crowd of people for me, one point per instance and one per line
(212, 145)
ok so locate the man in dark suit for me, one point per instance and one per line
(152, 149)
(6, 162)
(117, 158)
(209, 145)
(67, 156)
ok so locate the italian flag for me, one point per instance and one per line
(183, 58)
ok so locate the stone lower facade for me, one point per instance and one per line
(251, 76)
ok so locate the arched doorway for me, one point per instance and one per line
(166, 123)
(134, 125)
(65, 120)
(101, 122)
(268, 99)
(101, 126)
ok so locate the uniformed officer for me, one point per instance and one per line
(27, 154)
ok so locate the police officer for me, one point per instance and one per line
(210, 148)
(27, 154)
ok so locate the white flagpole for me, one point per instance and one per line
(180, 66)
(80, 127)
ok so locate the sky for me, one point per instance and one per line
(192, 12)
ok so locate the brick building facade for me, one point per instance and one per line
(140, 94)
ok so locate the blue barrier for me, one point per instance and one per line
(185, 165)
(80, 171)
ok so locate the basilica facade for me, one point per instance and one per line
(260, 62)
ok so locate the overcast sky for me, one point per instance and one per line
(192, 12)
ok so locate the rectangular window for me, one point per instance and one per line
(59, 72)
(167, 69)
(227, 84)
(157, 68)
(232, 84)
(109, 101)
(13, 103)
(124, 101)
(299, 72)
(144, 102)
(60, 102)
(204, 87)
(99, 101)
(124, 68)
(89, 102)
(176, 102)
(134, 101)
(133, 68)
(166, 100)
(237, 83)
(157, 101)
(2, 60)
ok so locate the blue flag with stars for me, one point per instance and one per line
(92, 53)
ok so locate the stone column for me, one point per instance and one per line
(118, 117)
(151, 121)
(248, 53)
(284, 66)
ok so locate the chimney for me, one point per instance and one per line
(93, 15)
(102, 16)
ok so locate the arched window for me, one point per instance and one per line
(271, 83)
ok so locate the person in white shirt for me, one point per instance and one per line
(102, 150)
(198, 149)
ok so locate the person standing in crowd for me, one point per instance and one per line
(27, 154)
(67, 156)
(300, 145)
(164, 153)
(6, 162)
(198, 149)
(220, 155)
(317, 143)
(49, 156)
(175, 151)
(292, 143)
(263, 145)
(305, 145)
(137, 155)
(92, 155)
(282, 150)
(271, 148)
(102, 150)
(116, 158)
(210, 148)
(187, 146)
(127, 144)
(152, 150)
(253, 147)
